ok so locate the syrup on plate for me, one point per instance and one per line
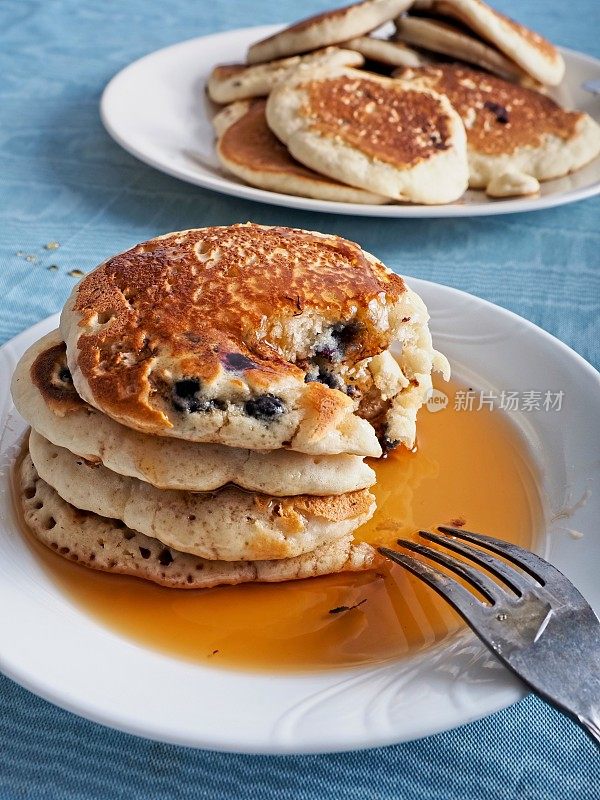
(470, 468)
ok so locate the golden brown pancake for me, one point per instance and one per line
(499, 116)
(250, 150)
(249, 336)
(398, 127)
(515, 136)
(372, 132)
(44, 395)
(209, 313)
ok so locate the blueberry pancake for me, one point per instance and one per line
(44, 395)
(108, 545)
(227, 525)
(250, 335)
(515, 136)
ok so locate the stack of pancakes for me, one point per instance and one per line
(464, 106)
(202, 415)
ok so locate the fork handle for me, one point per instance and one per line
(591, 727)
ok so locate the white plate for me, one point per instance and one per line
(157, 110)
(56, 650)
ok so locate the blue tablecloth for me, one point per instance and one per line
(63, 179)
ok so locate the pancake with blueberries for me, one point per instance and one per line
(44, 395)
(515, 136)
(249, 335)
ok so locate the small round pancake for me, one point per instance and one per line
(512, 131)
(108, 545)
(372, 132)
(44, 395)
(439, 36)
(528, 49)
(250, 150)
(330, 27)
(227, 525)
(230, 82)
(385, 51)
(263, 336)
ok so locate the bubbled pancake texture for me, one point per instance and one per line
(507, 116)
(237, 309)
(46, 398)
(193, 318)
(205, 292)
(372, 132)
(512, 132)
(108, 545)
(229, 524)
(372, 124)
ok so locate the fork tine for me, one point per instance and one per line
(535, 566)
(551, 578)
(467, 605)
(488, 588)
(514, 579)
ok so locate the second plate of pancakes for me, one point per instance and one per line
(157, 110)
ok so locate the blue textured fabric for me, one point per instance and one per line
(62, 178)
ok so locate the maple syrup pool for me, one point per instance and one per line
(470, 468)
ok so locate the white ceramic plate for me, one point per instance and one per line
(157, 110)
(56, 650)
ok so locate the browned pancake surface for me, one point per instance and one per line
(251, 143)
(201, 296)
(395, 125)
(51, 377)
(507, 115)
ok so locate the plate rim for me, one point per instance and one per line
(231, 188)
(500, 697)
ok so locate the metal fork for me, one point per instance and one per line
(537, 624)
